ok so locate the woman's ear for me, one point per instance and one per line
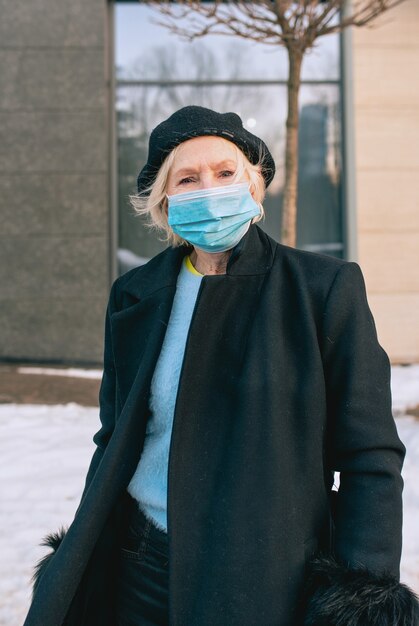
(252, 190)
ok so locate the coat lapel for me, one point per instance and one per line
(206, 408)
(138, 330)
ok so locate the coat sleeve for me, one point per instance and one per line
(107, 409)
(363, 444)
(108, 396)
(359, 584)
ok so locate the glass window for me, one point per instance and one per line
(147, 51)
(157, 73)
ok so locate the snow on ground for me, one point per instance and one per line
(44, 455)
(404, 388)
(72, 372)
(408, 428)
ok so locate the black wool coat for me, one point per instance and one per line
(283, 383)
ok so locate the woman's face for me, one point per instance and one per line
(201, 163)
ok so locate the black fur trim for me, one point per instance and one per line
(53, 541)
(338, 596)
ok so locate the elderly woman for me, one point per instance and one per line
(239, 375)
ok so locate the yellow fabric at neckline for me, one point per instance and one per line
(190, 267)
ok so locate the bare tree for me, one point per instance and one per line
(293, 24)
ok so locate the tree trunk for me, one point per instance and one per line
(289, 209)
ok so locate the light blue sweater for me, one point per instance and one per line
(149, 482)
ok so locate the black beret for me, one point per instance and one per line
(196, 121)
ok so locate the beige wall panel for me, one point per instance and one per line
(386, 115)
(387, 139)
(390, 261)
(397, 321)
(388, 201)
(398, 27)
(384, 77)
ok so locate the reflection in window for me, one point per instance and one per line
(225, 74)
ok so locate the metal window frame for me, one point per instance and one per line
(112, 148)
(221, 82)
(348, 147)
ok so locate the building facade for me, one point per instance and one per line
(54, 179)
(74, 126)
(386, 137)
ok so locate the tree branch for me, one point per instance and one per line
(290, 23)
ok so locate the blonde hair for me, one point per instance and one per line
(152, 202)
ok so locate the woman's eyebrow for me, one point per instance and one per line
(184, 170)
(222, 164)
(216, 165)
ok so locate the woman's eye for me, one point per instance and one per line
(226, 173)
(184, 181)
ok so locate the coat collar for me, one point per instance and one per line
(253, 255)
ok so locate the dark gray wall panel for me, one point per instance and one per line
(54, 179)
(54, 267)
(58, 23)
(52, 141)
(51, 329)
(54, 204)
(51, 79)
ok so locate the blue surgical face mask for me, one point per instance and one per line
(214, 219)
